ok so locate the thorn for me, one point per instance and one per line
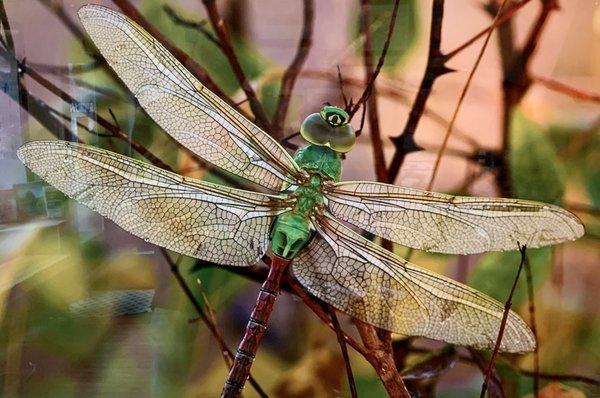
(406, 143)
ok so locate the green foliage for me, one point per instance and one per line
(269, 93)
(495, 273)
(405, 32)
(535, 171)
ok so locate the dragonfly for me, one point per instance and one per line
(310, 224)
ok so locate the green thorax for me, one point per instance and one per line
(320, 159)
(291, 231)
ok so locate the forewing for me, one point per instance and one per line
(450, 224)
(208, 221)
(182, 106)
(374, 285)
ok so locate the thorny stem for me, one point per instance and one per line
(340, 336)
(206, 319)
(507, 305)
(461, 99)
(219, 27)
(435, 68)
(291, 73)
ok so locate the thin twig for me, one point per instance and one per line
(504, 17)
(370, 86)
(370, 77)
(532, 321)
(573, 92)
(219, 27)
(344, 349)
(495, 385)
(199, 26)
(92, 114)
(435, 68)
(198, 71)
(507, 306)
(293, 70)
(461, 99)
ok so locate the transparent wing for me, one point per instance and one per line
(211, 222)
(450, 224)
(182, 106)
(374, 285)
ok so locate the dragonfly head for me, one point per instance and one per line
(330, 127)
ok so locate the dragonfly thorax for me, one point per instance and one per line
(292, 230)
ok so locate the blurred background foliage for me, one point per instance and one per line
(61, 335)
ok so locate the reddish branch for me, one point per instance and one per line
(342, 342)
(507, 306)
(219, 27)
(506, 15)
(435, 68)
(381, 350)
(291, 74)
(576, 93)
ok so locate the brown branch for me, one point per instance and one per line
(435, 68)
(340, 336)
(504, 17)
(463, 94)
(536, 353)
(291, 74)
(573, 92)
(206, 319)
(507, 305)
(219, 27)
(516, 77)
(10, 43)
(495, 385)
(117, 133)
(382, 353)
(364, 28)
(198, 71)
(370, 88)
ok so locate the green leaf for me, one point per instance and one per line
(535, 171)
(495, 274)
(405, 31)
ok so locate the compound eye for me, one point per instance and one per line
(334, 119)
(316, 130)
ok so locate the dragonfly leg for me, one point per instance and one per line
(255, 329)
